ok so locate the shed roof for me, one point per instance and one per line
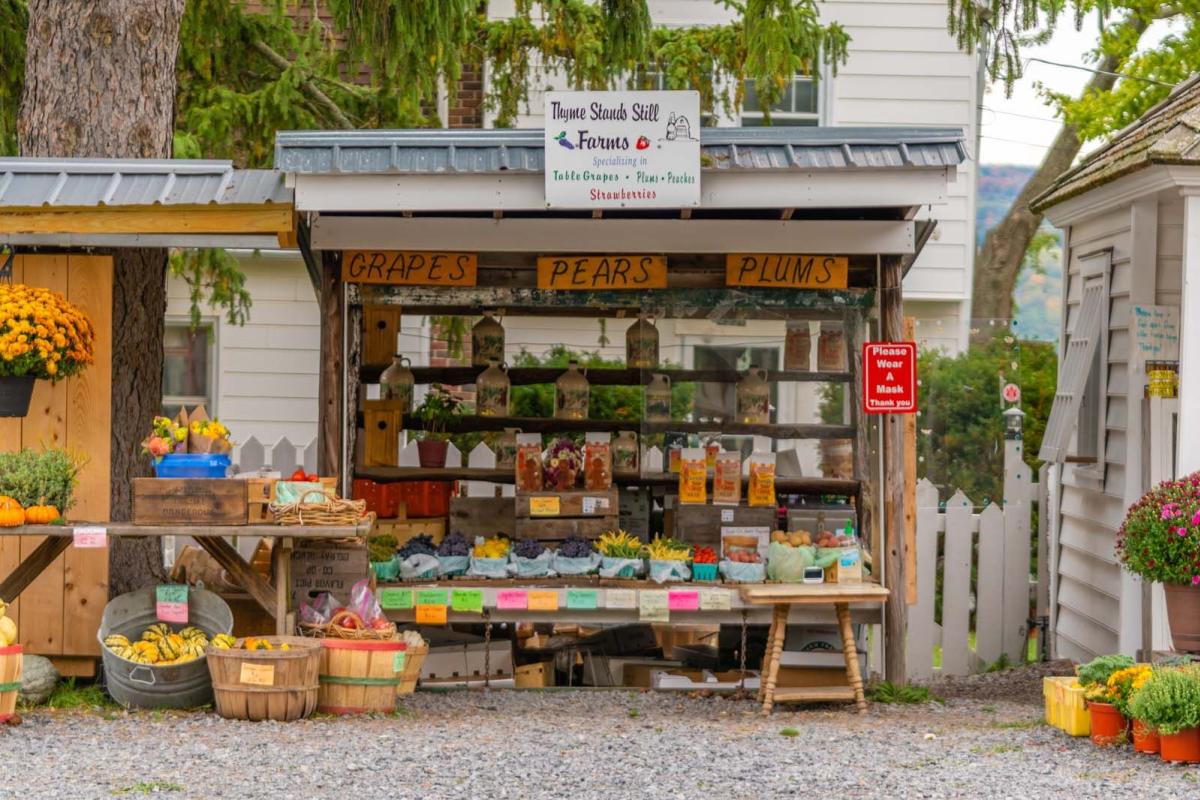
(522, 151)
(1169, 133)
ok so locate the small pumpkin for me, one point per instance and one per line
(11, 513)
(41, 515)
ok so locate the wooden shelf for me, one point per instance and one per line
(815, 694)
(603, 376)
(835, 486)
(467, 424)
(195, 529)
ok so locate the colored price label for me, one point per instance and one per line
(257, 674)
(398, 661)
(543, 507)
(652, 606)
(467, 601)
(431, 615)
(582, 599)
(620, 598)
(543, 601)
(91, 536)
(171, 602)
(432, 597)
(683, 601)
(396, 599)
(512, 600)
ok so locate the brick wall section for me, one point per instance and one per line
(466, 106)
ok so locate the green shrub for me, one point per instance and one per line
(48, 477)
(1098, 669)
(1169, 702)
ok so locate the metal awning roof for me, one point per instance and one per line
(483, 152)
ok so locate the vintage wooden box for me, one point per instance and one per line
(189, 501)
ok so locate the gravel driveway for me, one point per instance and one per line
(579, 744)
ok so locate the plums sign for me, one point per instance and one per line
(622, 149)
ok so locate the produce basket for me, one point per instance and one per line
(330, 510)
(360, 676)
(279, 685)
(413, 661)
(704, 573)
(10, 679)
(350, 626)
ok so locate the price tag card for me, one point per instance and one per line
(91, 536)
(171, 602)
(543, 507)
(620, 598)
(431, 615)
(583, 599)
(716, 600)
(398, 661)
(396, 599)
(683, 600)
(432, 597)
(726, 515)
(512, 600)
(467, 601)
(543, 601)
(257, 674)
(652, 606)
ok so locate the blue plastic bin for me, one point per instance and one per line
(192, 465)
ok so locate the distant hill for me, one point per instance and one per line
(1038, 296)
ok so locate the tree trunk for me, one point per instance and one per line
(331, 388)
(998, 262)
(100, 83)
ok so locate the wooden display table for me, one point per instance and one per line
(785, 595)
(273, 599)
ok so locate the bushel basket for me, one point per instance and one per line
(256, 685)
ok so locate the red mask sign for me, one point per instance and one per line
(889, 377)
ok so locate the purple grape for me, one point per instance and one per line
(529, 548)
(575, 547)
(454, 545)
(418, 545)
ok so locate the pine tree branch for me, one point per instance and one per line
(306, 85)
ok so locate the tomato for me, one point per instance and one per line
(299, 475)
(314, 478)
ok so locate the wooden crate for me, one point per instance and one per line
(482, 516)
(701, 525)
(555, 529)
(557, 515)
(323, 566)
(183, 501)
(405, 529)
(535, 676)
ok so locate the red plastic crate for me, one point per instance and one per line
(427, 498)
(391, 495)
(364, 489)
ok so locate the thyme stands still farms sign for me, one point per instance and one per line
(622, 149)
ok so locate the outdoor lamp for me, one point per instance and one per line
(1014, 420)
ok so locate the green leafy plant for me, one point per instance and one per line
(1169, 701)
(438, 410)
(381, 547)
(889, 693)
(1098, 669)
(1160, 537)
(48, 477)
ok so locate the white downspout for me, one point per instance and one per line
(1188, 436)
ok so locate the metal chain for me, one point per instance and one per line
(487, 649)
(742, 655)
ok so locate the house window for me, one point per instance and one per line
(800, 104)
(189, 360)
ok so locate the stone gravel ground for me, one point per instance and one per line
(582, 744)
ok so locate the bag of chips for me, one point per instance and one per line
(762, 479)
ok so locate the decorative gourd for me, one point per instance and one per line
(11, 513)
(41, 515)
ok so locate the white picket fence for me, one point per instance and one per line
(997, 542)
(283, 456)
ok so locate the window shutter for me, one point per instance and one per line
(1072, 378)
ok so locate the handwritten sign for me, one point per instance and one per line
(401, 599)
(544, 507)
(257, 674)
(601, 273)
(409, 268)
(1156, 332)
(653, 606)
(171, 602)
(398, 660)
(716, 600)
(467, 601)
(431, 615)
(582, 599)
(512, 599)
(87, 536)
(787, 271)
(620, 598)
(543, 601)
(683, 600)
(432, 597)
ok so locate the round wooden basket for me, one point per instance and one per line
(359, 677)
(10, 680)
(331, 510)
(414, 659)
(256, 685)
(337, 629)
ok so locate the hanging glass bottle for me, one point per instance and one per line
(571, 392)
(396, 383)
(658, 398)
(491, 391)
(487, 341)
(641, 344)
(754, 398)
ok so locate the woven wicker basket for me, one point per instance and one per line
(331, 510)
(335, 629)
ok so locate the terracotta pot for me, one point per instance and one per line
(432, 453)
(1144, 739)
(1108, 724)
(1183, 746)
(1183, 614)
(15, 393)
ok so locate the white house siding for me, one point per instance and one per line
(904, 69)
(266, 370)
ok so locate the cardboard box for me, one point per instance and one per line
(461, 664)
(535, 676)
(326, 567)
(601, 670)
(690, 680)
(671, 636)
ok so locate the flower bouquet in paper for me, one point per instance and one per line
(165, 438)
(207, 435)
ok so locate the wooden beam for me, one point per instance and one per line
(32, 566)
(240, 571)
(910, 488)
(891, 318)
(469, 424)
(331, 388)
(600, 376)
(786, 214)
(275, 219)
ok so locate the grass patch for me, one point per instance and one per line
(150, 787)
(889, 693)
(68, 696)
(1020, 724)
(633, 712)
(988, 709)
(790, 733)
(996, 750)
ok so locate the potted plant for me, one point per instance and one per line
(1108, 724)
(1123, 685)
(1169, 704)
(1160, 541)
(42, 337)
(436, 413)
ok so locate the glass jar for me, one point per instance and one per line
(797, 347)
(658, 398)
(487, 341)
(491, 391)
(641, 344)
(625, 453)
(506, 449)
(396, 383)
(754, 398)
(571, 393)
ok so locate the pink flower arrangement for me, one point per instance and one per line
(1155, 539)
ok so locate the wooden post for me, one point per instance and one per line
(910, 488)
(330, 390)
(868, 526)
(895, 615)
